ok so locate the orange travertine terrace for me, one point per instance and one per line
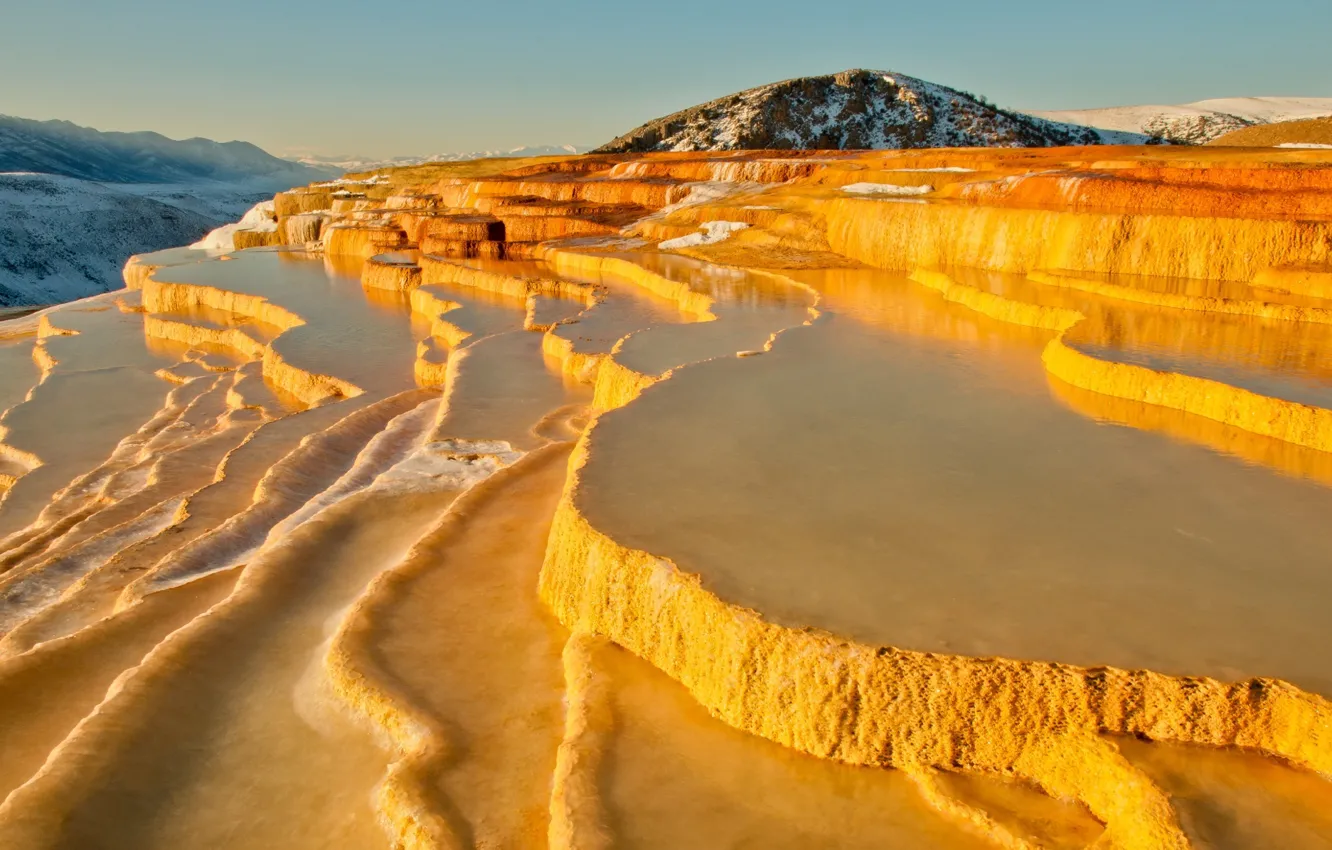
(937, 498)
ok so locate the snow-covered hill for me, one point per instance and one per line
(62, 238)
(1194, 123)
(362, 163)
(852, 110)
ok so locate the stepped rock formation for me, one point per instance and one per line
(947, 498)
(855, 109)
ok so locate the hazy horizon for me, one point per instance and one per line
(327, 79)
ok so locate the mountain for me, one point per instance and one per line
(1198, 122)
(59, 147)
(75, 202)
(63, 238)
(851, 110)
(362, 163)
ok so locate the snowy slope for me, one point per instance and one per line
(59, 147)
(361, 163)
(1197, 122)
(855, 109)
(260, 217)
(62, 238)
(100, 197)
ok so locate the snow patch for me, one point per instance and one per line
(1310, 145)
(372, 180)
(710, 233)
(361, 163)
(890, 189)
(260, 218)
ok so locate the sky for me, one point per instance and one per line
(409, 78)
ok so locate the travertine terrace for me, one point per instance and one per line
(950, 498)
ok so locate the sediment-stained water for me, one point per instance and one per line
(819, 483)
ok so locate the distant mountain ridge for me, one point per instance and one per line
(856, 109)
(75, 202)
(69, 150)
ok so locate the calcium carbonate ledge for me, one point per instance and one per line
(888, 707)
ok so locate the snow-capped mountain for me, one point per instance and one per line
(362, 163)
(855, 109)
(63, 238)
(1194, 123)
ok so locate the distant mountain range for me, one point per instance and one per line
(75, 202)
(363, 163)
(59, 147)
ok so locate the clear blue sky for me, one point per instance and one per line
(409, 77)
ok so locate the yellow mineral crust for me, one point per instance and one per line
(362, 240)
(1301, 424)
(136, 271)
(1290, 421)
(1299, 280)
(165, 297)
(927, 781)
(440, 270)
(898, 235)
(694, 303)
(1275, 454)
(1224, 306)
(882, 706)
(391, 273)
(299, 201)
(234, 339)
(246, 238)
(576, 819)
(996, 306)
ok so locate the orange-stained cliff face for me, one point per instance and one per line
(1231, 215)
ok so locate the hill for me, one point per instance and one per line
(62, 238)
(856, 109)
(76, 202)
(66, 149)
(1198, 122)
